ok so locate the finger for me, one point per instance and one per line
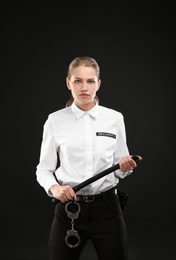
(127, 164)
(70, 194)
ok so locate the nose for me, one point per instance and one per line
(84, 86)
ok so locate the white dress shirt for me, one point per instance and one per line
(86, 142)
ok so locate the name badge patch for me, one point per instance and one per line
(106, 134)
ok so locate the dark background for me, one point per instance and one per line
(135, 48)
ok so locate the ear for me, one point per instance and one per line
(99, 84)
(68, 83)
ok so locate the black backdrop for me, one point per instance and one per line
(135, 48)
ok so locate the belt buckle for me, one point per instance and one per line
(88, 198)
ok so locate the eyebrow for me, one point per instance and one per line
(86, 79)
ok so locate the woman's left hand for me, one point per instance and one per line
(127, 164)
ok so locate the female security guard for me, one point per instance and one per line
(88, 138)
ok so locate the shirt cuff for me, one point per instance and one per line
(121, 174)
(48, 185)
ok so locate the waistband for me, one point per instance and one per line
(91, 198)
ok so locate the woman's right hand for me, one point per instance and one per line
(62, 193)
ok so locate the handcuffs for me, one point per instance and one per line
(72, 209)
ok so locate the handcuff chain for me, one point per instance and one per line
(72, 224)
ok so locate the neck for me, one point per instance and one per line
(86, 107)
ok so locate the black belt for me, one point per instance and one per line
(91, 198)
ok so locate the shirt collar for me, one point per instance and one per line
(78, 112)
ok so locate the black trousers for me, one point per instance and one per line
(101, 221)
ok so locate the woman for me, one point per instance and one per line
(87, 138)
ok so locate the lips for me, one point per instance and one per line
(84, 95)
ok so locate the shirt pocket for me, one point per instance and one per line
(105, 144)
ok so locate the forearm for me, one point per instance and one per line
(46, 179)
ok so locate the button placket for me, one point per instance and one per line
(89, 144)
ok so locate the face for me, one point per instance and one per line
(83, 85)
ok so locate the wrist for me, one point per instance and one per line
(53, 188)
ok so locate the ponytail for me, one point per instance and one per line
(69, 102)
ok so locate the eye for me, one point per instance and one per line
(77, 81)
(91, 81)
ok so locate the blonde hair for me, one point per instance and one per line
(86, 61)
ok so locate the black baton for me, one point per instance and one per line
(96, 177)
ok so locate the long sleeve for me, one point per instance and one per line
(122, 149)
(48, 157)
